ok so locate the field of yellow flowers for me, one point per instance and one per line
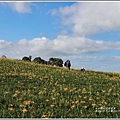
(29, 90)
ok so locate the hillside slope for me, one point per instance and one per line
(29, 90)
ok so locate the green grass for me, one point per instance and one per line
(29, 90)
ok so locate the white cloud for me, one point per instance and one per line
(61, 46)
(4, 44)
(53, 12)
(87, 18)
(20, 7)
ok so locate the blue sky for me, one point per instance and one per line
(31, 23)
(87, 33)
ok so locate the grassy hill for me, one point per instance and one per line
(29, 90)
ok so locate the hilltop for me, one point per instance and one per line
(30, 90)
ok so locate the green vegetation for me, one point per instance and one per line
(30, 90)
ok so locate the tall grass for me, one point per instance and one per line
(29, 90)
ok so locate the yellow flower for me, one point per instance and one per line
(32, 102)
(21, 105)
(73, 106)
(23, 71)
(93, 104)
(11, 109)
(46, 100)
(85, 97)
(53, 90)
(45, 88)
(52, 105)
(65, 89)
(90, 99)
(82, 102)
(11, 105)
(80, 96)
(28, 90)
(27, 102)
(74, 88)
(30, 77)
(71, 90)
(17, 92)
(41, 92)
(24, 110)
(85, 107)
(103, 102)
(84, 90)
(103, 91)
(98, 98)
(6, 92)
(45, 77)
(100, 105)
(20, 99)
(76, 102)
(44, 116)
(34, 87)
(58, 94)
(15, 95)
(73, 102)
(53, 98)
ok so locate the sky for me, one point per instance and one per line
(85, 32)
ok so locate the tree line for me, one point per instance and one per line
(52, 61)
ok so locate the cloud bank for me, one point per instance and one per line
(61, 46)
